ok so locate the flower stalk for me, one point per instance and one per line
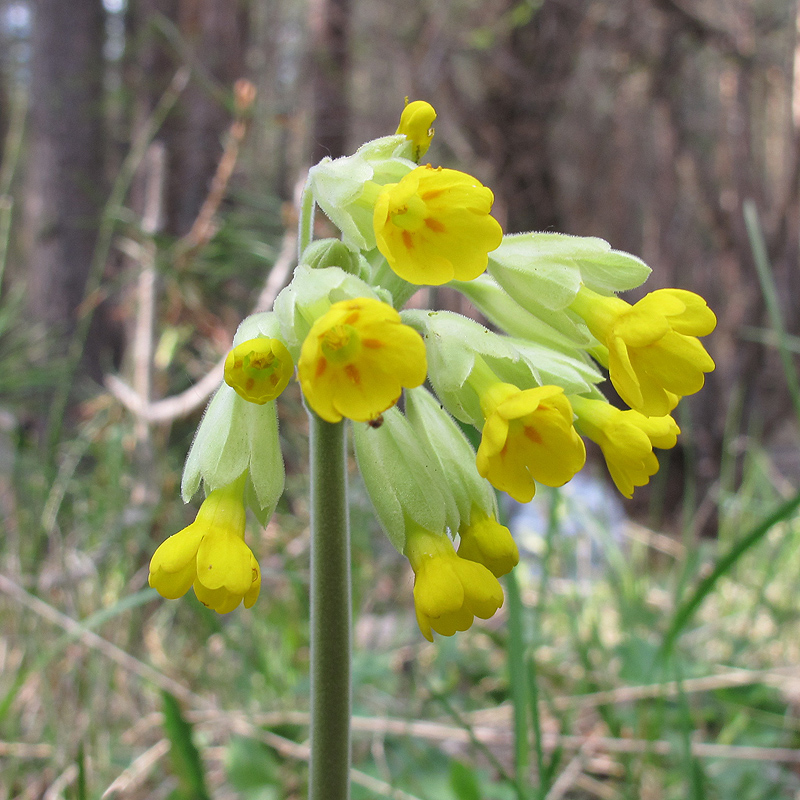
(331, 612)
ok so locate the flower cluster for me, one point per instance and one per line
(529, 385)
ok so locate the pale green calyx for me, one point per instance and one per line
(235, 436)
(403, 478)
(324, 253)
(454, 453)
(558, 329)
(545, 270)
(551, 366)
(310, 294)
(346, 188)
(264, 324)
(452, 344)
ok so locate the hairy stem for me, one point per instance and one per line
(329, 768)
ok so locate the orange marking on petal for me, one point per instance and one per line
(250, 383)
(431, 194)
(352, 372)
(408, 240)
(531, 433)
(434, 225)
(372, 344)
(352, 317)
(322, 365)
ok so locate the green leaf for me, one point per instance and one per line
(725, 564)
(464, 782)
(187, 765)
(252, 769)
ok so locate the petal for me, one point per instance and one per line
(437, 590)
(622, 373)
(224, 561)
(696, 318)
(172, 585)
(180, 550)
(220, 600)
(493, 436)
(640, 327)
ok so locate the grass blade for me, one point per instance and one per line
(770, 293)
(724, 565)
(186, 762)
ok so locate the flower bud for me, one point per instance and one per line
(416, 124)
(259, 369)
(324, 253)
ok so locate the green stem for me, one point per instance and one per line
(770, 293)
(305, 225)
(331, 611)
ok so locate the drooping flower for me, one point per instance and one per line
(654, 355)
(416, 123)
(528, 436)
(259, 369)
(357, 358)
(449, 591)
(435, 225)
(626, 438)
(210, 555)
(485, 541)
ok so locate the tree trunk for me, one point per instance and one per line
(525, 84)
(329, 23)
(215, 33)
(66, 184)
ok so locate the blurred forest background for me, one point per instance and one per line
(152, 151)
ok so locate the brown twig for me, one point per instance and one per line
(92, 640)
(183, 404)
(204, 228)
(131, 777)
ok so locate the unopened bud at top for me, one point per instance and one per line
(416, 123)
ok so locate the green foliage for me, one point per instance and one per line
(187, 764)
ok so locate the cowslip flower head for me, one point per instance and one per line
(416, 124)
(485, 541)
(528, 436)
(435, 225)
(259, 369)
(210, 555)
(627, 439)
(654, 355)
(449, 591)
(356, 360)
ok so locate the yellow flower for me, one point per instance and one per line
(259, 369)
(627, 439)
(654, 356)
(356, 360)
(416, 123)
(434, 225)
(487, 542)
(210, 555)
(449, 591)
(528, 436)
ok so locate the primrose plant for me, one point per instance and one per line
(529, 386)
